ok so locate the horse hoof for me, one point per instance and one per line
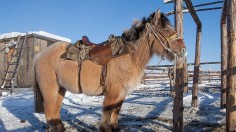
(58, 128)
(114, 127)
(117, 129)
(103, 128)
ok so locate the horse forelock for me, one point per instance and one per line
(138, 26)
(135, 31)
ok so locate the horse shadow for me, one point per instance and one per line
(74, 119)
(151, 117)
(73, 112)
(2, 128)
(22, 107)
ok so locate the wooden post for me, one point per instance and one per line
(196, 69)
(179, 81)
(231, 80)
(223, 56)
(197, 53)
(185, 76)
(178, 100)
(209, 75)
(179, 17)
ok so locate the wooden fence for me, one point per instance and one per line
(163, 74)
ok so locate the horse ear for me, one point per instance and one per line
(158, 11)
(157, 16)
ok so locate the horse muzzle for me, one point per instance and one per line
(182, 56)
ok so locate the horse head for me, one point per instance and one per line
(163, 39)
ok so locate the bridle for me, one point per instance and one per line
(169, 40)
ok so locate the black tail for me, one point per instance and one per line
(38, 99)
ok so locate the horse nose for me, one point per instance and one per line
(182, 56)
(185, 54)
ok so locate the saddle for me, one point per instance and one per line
(87, 42)
(100, 53)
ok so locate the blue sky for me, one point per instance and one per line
(98, 19)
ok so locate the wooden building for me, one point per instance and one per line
(31, 44)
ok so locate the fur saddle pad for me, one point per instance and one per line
(100, 54)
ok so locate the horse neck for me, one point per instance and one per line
(141, 52)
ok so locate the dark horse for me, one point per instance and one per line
(54, 75)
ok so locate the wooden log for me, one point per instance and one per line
(155, 77)
(209, 3)
(179, 74)
(178, 101)
(180, 29)
(197, 10)
(231, 79)
(223, 56)
(163, 67)
(197, 53)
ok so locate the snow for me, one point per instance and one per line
(11, 35)
(145, 109)
(40, 33)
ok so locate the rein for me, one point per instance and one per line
(168, 39)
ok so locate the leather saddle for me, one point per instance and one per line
(100, 53)
(87, 42)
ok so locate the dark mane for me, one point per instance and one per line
(138, 27)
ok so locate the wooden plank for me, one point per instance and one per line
(2, 61)
(231, 79)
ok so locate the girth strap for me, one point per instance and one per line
(79, 77)
(103, 76)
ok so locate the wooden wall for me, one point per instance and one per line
(2, 60)
(25, 74)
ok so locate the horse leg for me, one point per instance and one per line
(60, 97)
(112, 103)
(114, 116)
(52, 96)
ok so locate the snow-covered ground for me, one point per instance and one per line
(145, 109)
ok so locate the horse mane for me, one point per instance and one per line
(138, 27)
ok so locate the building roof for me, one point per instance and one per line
(42, 34)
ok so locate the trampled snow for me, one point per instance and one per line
(145, 109)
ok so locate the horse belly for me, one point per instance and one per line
(88, 82)
(90, 78)
(67, 75)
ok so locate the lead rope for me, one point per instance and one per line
(148, 25)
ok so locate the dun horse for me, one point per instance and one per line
(54, 75)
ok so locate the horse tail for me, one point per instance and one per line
(38, 98)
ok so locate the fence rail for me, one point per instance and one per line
(162, 74)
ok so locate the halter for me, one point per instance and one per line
(169, 40)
